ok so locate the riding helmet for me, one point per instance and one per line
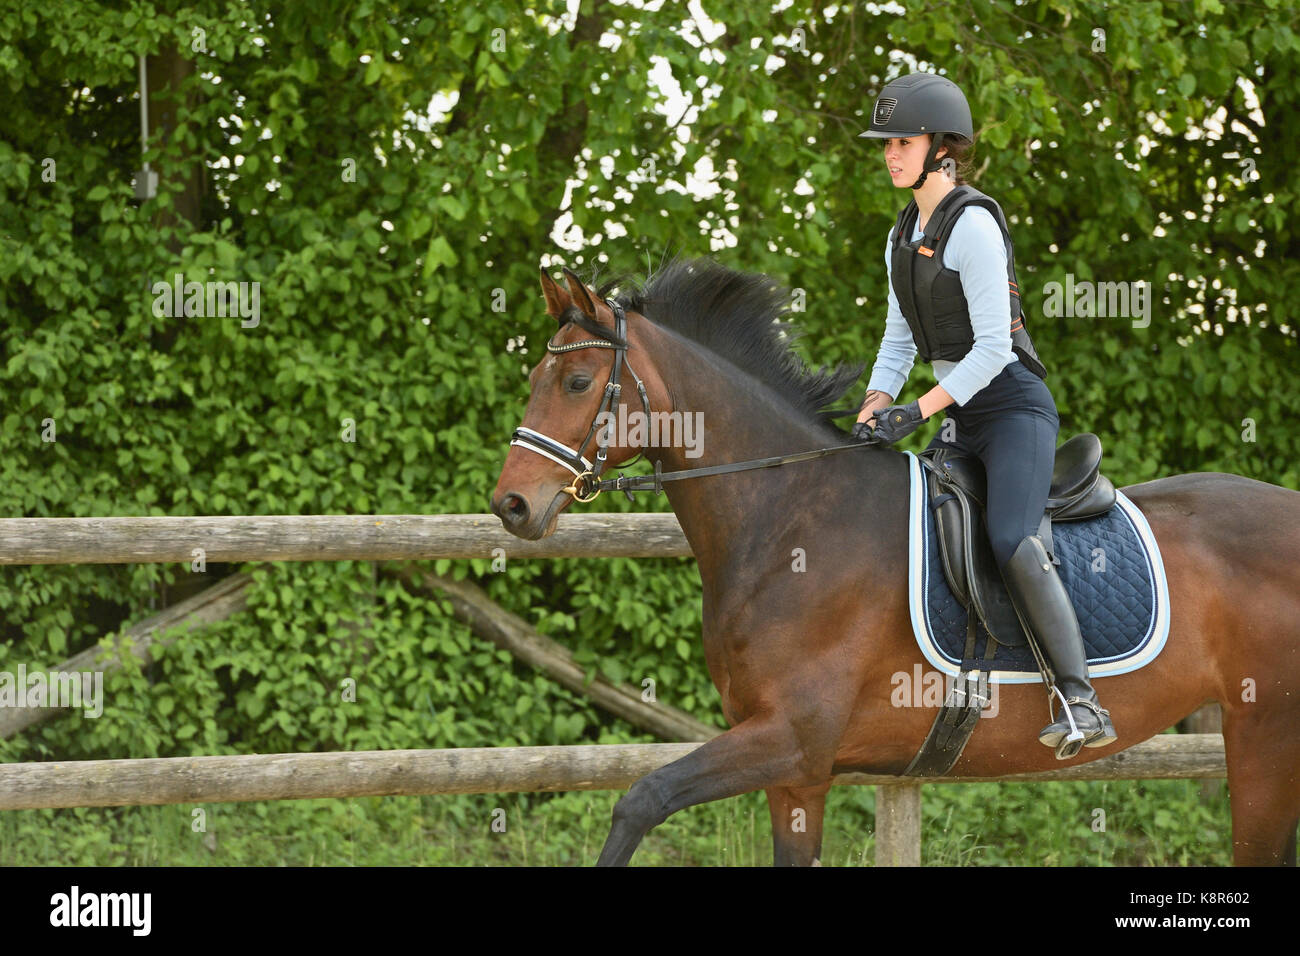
(920, 103)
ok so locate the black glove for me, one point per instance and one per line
(898, 421)
(862, 432)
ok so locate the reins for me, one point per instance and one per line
(655, 482)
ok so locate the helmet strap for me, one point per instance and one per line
(930, 166)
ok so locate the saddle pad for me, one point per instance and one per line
(1120, 593)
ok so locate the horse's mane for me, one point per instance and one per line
(742, 317)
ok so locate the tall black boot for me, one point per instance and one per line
(1045, 611)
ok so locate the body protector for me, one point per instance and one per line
(931, 297)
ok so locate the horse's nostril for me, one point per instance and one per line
(514, 508)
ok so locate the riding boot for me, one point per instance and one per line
(1045, 610)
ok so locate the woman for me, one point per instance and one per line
(953, 299)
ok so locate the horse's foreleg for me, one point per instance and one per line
(797, 815)
(755, 755)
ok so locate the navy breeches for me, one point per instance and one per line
(1011, 425)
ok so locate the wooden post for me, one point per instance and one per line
(898, 824)
(1207, 719)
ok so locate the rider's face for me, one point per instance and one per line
(904, 157)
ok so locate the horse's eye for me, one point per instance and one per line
(579, 384)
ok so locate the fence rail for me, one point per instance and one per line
(304, 776)
(150, 540)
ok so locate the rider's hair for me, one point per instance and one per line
(961, 150)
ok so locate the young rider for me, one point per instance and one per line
(953, 300)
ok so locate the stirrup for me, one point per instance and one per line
(1069, 745)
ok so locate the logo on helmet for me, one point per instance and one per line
(884, 109)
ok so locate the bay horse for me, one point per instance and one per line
(803, 660)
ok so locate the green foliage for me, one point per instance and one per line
(396, 249)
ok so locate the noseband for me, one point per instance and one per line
(586, 483)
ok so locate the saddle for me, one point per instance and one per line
(957, 488)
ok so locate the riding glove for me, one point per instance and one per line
(898, 421)
(862, 432)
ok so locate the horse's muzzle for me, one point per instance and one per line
(522, 520)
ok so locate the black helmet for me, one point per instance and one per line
(917, 104)
(920, 103)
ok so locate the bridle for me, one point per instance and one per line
(586, 485)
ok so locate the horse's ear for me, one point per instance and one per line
(581, 297)
(557, 300)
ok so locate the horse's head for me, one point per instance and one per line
(564, 443)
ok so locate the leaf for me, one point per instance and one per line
(451, 206)
(418, 224)
(307, 69)
(462, 45)
(341, 53)
(439, 254)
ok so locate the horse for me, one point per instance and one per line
(803, 661)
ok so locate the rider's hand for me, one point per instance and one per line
(872, 403)
(898, 421)
(862, 432)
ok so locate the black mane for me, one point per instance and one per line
(742, 317)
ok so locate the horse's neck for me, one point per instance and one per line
(728, 515)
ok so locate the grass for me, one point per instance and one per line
(1130, 823)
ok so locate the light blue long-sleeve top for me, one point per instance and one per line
(976, 250)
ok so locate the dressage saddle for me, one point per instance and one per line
(957, 489)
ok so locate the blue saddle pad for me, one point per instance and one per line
(1110, 566)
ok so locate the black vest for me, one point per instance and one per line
(930, 296)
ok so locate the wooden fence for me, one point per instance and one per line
(405, 772)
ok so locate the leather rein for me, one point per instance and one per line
(587, 483)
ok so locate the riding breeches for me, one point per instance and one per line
(1011, 426)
